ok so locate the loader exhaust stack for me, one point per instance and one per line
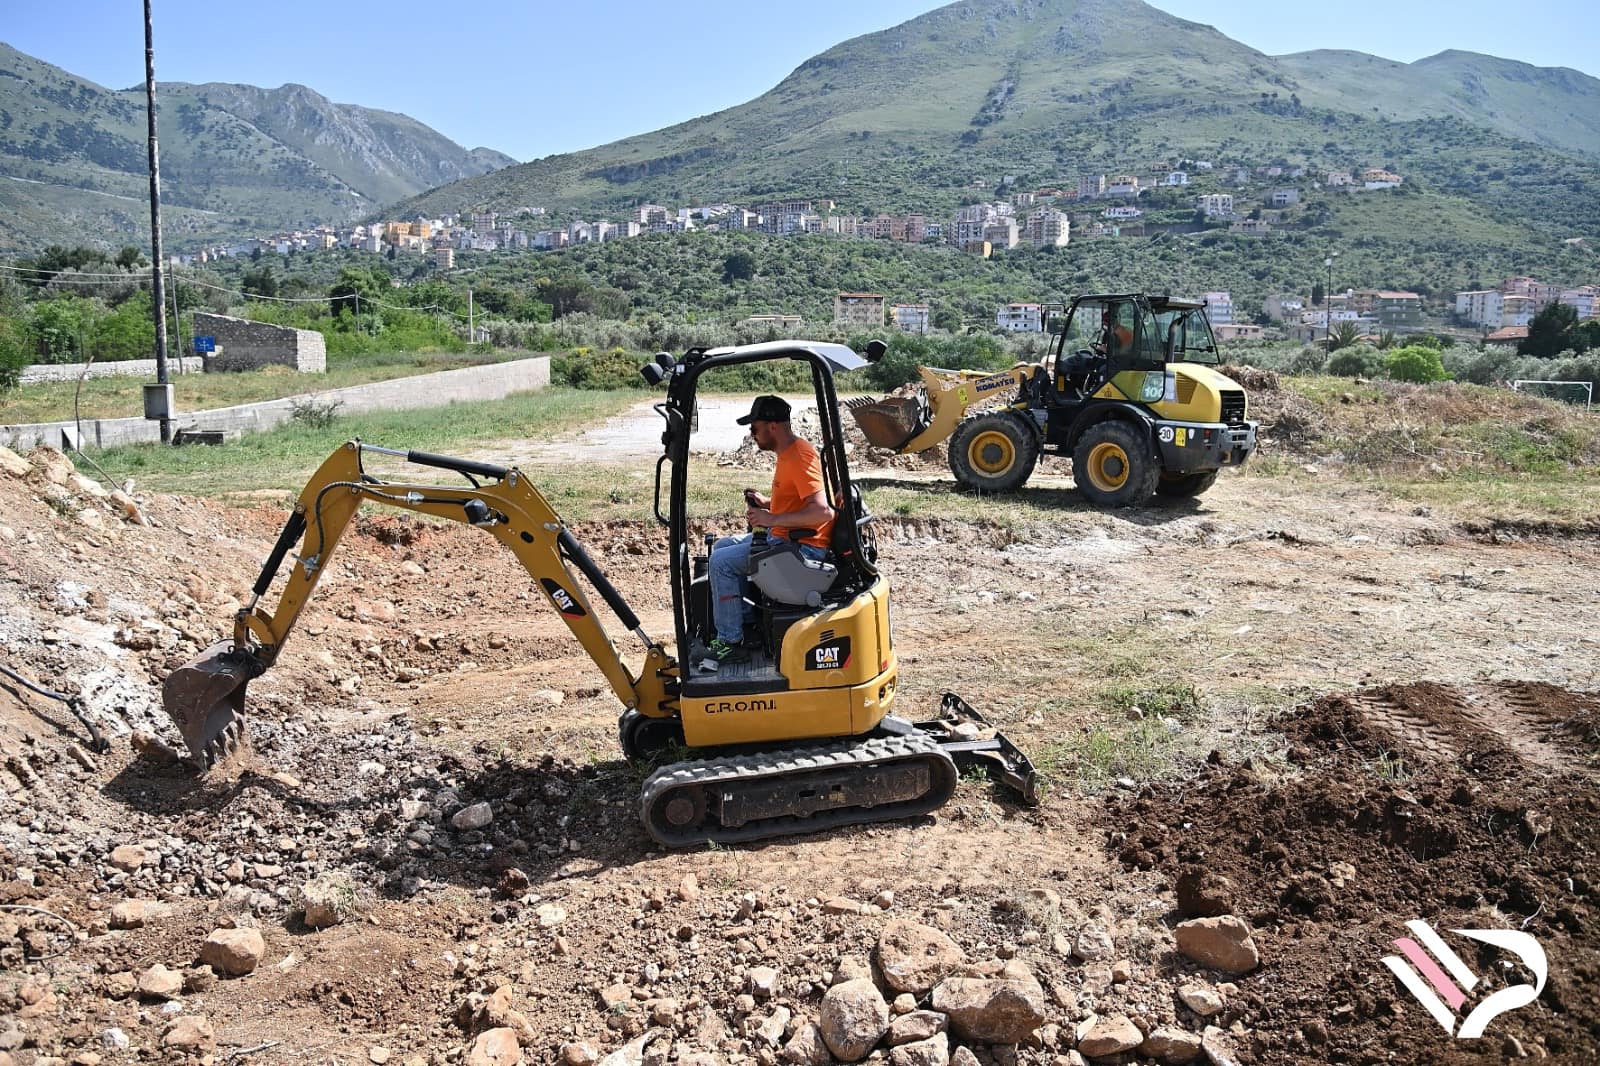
(205, 700)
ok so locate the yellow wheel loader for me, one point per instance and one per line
(1128, 388)
(798, 738)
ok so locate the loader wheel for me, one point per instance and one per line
(993, 453)
(1113, 465)
(1177, 485)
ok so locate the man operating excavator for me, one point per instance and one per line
(797, 509)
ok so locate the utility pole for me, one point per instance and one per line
(472, 333)
(158, 300)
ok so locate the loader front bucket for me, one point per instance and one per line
(205, 700)
(890, 422)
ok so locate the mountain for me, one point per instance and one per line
(234, 158)
(939, 110)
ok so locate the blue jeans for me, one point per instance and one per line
(730, 583)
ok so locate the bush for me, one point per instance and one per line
(13, 355)
(584, 368)
(1357, 361)
(1416, 364)
(1308, 360)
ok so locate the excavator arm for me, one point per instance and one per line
(205, 697)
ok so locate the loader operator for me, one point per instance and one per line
(798, 501)
(1118, 338)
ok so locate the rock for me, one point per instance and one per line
(904, 1003)
(853, 1018)
(1109, 1036)
(550, 915)
(87, 486)
(851, 968)
(761, 982)
(964, 1057)
(1094, 943)
(1200, 999)
(115, 1039)
(770, 1031)
(328, 899)
(158, 982)
(55, 467)
(378, 1055)
(190, 1032)
(474, 817)
(1203, 893)
(495, 1047)
(13, 464)
(934, 1051)
(1121, 972)
(133, 913)
(498, 1013)
(918, 1025)
(1001, 1010)
(1222, 943)
(915, 957)
(1219, 1050)
(616, 997)
(807, 1047)
(129, 857)
(1170, 1045)
(129, 508)
(841, 905)
(411, 810)
(689, 888)
(234, 952)
(579, 1053)
(90, 518)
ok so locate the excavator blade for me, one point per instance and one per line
(889, 422)
(205, 700)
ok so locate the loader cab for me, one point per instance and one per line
(817, 623)
(1108, 334)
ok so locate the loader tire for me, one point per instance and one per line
(993, 452)
(1114, 465)
(1177, 485)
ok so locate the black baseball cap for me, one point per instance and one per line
(767, 409)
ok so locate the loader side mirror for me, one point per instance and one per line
(652, 373)
(876, 350)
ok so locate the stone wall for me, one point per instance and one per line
(133, 368)
(467, 385)
(246, 345)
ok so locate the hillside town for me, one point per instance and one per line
(1097, 206)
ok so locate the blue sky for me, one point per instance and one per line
(533, 78)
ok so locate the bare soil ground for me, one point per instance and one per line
(1398, 710)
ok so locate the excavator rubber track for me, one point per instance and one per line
(743, 798)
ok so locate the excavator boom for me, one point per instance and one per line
(205, 697)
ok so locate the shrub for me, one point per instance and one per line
(1357, 361)
(584, 368)
(1308, 360)
(13, 355)
(1416, 364)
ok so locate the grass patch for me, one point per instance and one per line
(123, 397)
(1169, 699)
(284, 457)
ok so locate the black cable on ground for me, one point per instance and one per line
(97, 740)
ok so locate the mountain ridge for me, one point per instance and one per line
(234, 158)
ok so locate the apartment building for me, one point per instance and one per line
(1481, 307)
(858, 309)
(1283, 308)
(1219, 308)
(1216, 204)
(1020, 318)
(1002, 232)
(1585, 300)
(444, 258)
(912, 318)
(1091, 186)
(1048, 228)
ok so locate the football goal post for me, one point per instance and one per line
(1568, 391)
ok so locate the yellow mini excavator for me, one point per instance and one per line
(800, 737)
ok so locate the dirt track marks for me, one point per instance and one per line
(1537, 723)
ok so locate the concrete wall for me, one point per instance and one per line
(400, 394)
(246, 345)
(133, 368)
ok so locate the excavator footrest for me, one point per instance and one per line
(968, 738)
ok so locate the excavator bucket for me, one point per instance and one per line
(889, 422)
(205, 699)
(968, 738)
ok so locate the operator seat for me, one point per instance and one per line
(786, 576)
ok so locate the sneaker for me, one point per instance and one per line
(720, 651)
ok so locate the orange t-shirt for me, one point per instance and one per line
(799, 475)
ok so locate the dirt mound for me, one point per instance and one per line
(1464, 806)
